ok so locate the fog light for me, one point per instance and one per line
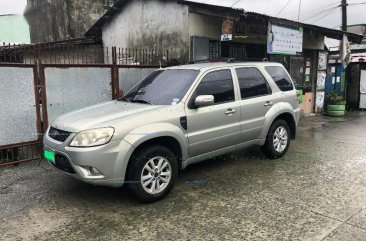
(94, 172)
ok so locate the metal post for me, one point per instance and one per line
(344, 15)
(115, 75)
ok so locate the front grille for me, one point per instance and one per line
(63, 163)
(58, 135)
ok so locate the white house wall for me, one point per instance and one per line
(148, 25)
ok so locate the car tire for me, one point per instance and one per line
(278, 140)
(146, 180)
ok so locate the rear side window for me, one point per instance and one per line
(281, 77)
(252, 83)
(219, 84)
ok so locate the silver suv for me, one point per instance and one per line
(173, 118)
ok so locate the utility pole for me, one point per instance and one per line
(344, 15)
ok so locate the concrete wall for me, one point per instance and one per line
(146, 24)
(61, 19)
(201, 25)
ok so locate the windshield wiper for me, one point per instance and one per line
(140, 101)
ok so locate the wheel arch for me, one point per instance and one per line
(167, 141)
(290, 120)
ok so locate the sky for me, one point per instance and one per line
(290, 8)
(12, 6)
(308, 7)
(270, 7)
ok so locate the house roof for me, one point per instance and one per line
(69, 42)
(96, 29)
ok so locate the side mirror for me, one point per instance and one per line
(204, 100)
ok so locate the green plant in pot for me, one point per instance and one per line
(336, 105)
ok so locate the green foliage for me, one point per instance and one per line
(334, 99)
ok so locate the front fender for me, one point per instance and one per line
(275, 111)
(144, 133)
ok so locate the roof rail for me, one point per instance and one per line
(229, 60)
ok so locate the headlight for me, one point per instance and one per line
(94, 137)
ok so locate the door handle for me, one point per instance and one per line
(230, 112)
(268, 104)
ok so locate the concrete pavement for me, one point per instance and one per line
(316, 192)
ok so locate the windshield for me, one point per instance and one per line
(163, 87)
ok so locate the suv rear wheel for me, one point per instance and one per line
(152, 173)
(278, 140)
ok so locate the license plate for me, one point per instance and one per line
(50, 156)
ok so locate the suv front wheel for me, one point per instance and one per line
(278, 140)
(152, 173)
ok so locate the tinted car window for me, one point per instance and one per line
(252, 83)
(219, 84)
(163, 87)
(281, 77)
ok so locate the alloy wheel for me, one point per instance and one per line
(156, 175)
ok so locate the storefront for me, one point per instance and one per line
(252, 37)
(195, 32)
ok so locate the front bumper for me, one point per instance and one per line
(110, 160)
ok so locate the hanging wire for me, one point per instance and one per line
(325, 15)
(283, 8)
(321, 10)
(321, 13)
(235, 3)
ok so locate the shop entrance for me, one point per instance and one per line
(242, 51)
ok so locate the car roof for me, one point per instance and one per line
(208, 66)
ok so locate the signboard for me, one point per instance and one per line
(322, 60)
(319, 102)
(320, 83)
(284, 40)
(226, 37)
(358, 46)
(227, 30)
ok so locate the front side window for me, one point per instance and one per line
(252, 83)
(280, 77)
(219, 84)
(163, 87)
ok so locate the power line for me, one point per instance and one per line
(298, 15)
(284, 7)
(356, 4)
(235, 3)
(325, 15)
(359, 3)
(320, 13)
(320, 10)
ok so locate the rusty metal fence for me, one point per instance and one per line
(58, 76)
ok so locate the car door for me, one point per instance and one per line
(214, 127)
(256, 100)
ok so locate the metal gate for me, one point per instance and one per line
(38, 83)
(20, 119)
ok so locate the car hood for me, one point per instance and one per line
(99, 115)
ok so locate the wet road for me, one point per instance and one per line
(316, 192)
